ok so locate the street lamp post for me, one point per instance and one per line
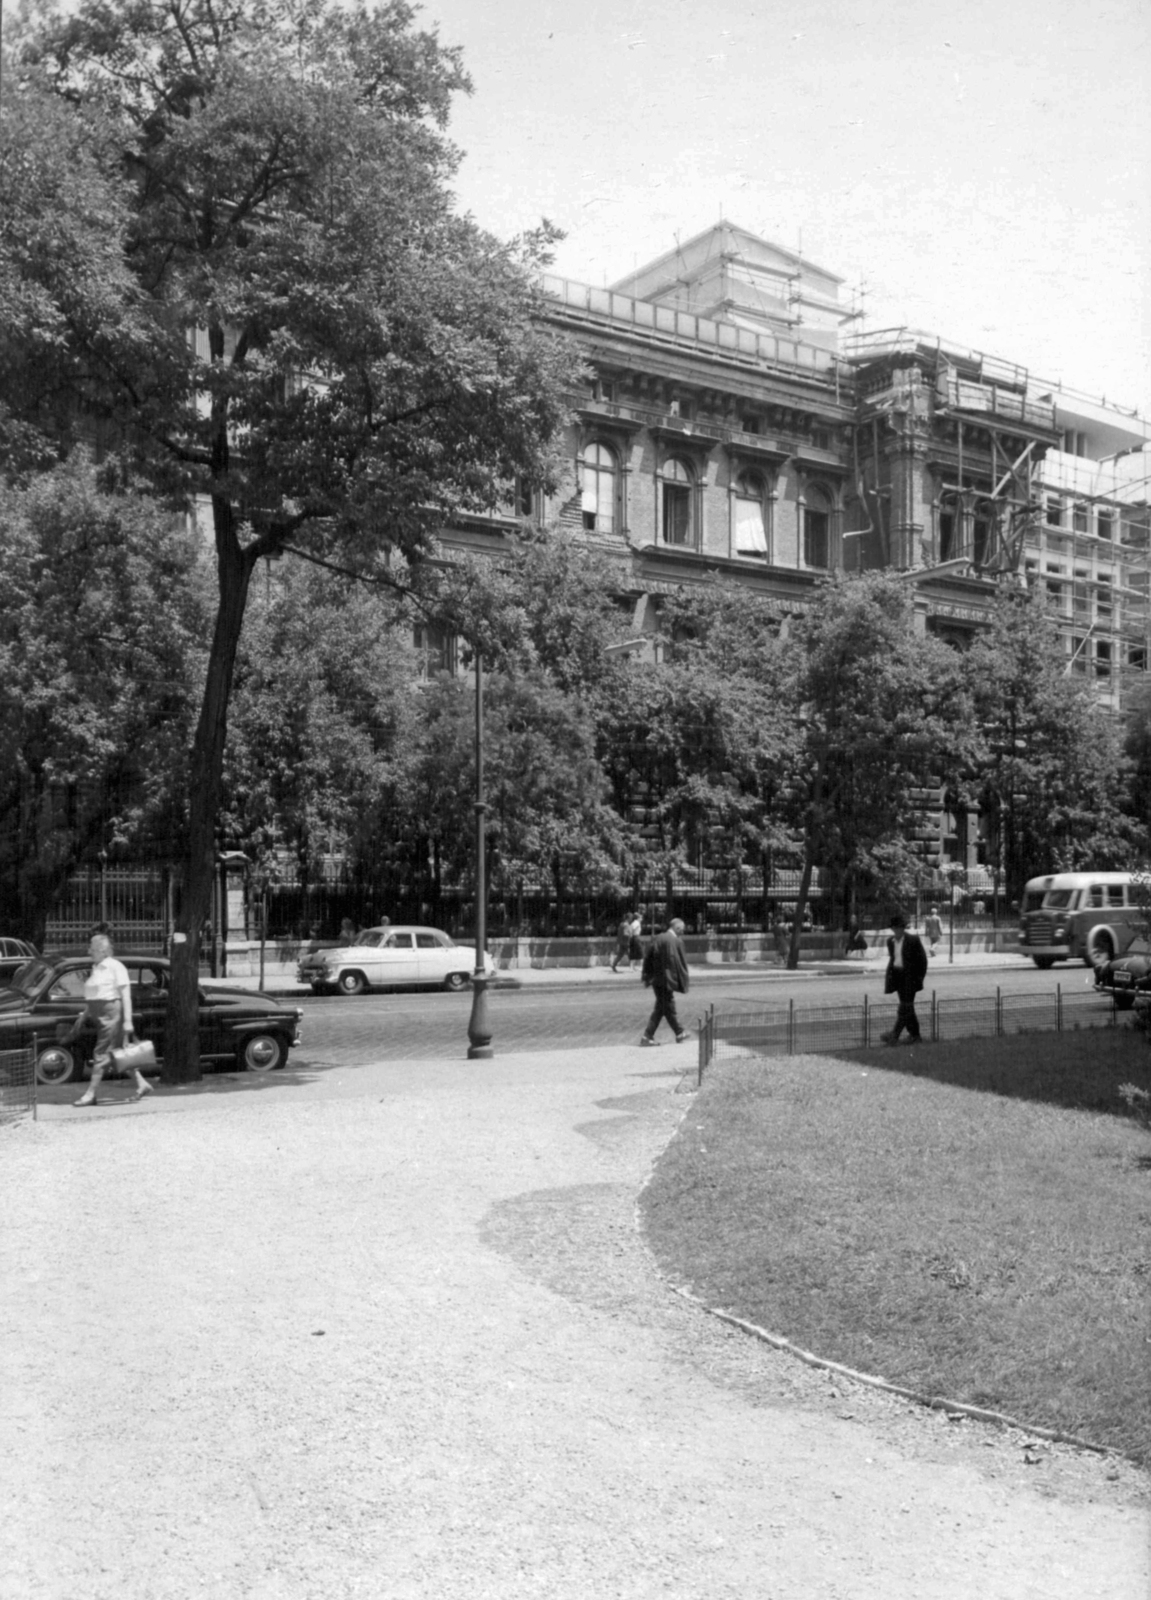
(479, 1030)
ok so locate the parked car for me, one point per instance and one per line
(387, 957)
(238, 1027)
(13, 954)
(1128, 978)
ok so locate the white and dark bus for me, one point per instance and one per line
(1085, 916)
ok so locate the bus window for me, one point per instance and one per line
(1056, 900)
(1114, 894)
(1095, 895)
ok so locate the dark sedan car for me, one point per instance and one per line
(238, 1027)
(1128, 977)
(13, 954)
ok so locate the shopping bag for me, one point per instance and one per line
(139, 1055)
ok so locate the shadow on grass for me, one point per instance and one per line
(1079, 1070)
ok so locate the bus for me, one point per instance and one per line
(1087, 916)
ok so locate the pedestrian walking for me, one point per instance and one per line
(855, 939)
(635, 938)
(622, 942)
(933, 928)
(665, 972)
(107, 1008)
(906, 970)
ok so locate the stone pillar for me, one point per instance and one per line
(911, 489)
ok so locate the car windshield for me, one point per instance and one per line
(28, 978)
(370, 941)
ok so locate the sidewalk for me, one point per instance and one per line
(282, 981)
(392, 1331)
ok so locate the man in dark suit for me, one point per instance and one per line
(906, 970)
(665, 971)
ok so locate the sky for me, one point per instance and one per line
(980, 170)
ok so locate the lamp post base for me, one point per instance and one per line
(479, 1031)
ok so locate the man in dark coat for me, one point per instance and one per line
(665, 969)
(906, 970)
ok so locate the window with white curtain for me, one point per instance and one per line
(750, 528)
(599, 479)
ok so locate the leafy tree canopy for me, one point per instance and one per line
(100, 662)
(312, 341)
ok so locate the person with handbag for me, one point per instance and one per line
(108, 1008)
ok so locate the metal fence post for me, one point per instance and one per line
(35, 1090)
(866, 1023)
(791, 1027)
(934, 1017)
(998, 1011)
(1058, 1008)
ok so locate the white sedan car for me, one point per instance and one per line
(383, 957)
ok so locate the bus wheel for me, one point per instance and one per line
(1043, 962)
(1100, 948)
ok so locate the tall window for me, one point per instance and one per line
(947, 541)
(598, 489)
(816, 529)
(676, 515)
(750, 532)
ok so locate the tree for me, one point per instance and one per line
(1050, 764)
(697, 747)
(65, 285)
(334, 361)
(100, 671)
(548, 815)
(883, 712)
(323, 719)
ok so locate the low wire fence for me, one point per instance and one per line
(18, 1083)
(791, 1029)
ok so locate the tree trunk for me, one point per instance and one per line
(234, 569)
(800, 908)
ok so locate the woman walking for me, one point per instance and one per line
(108, 1008)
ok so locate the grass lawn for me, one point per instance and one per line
(971, 1220)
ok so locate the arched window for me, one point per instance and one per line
(676, 520)
(749, 528)
(816, 529)
(599, 489)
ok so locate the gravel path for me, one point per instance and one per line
(391, 1332)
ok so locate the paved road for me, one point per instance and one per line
(341, 1030)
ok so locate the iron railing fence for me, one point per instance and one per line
(780, 1030)
(18, 1083)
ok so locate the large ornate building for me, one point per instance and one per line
(733, 424)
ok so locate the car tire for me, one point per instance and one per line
(351, 983)
(262, 1052)
(455, 981)
(55, 1064)
(1044, 963)
(323, 988)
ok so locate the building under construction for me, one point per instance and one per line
(734, 424)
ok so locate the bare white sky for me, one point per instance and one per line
(981, 167)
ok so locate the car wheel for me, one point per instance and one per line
(456, 981)
(352, 983)
(262, 1052)
(323, 988)
(55, 1064)
(1043, 962)
(1123, 1002)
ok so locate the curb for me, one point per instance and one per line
(931, 1402)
